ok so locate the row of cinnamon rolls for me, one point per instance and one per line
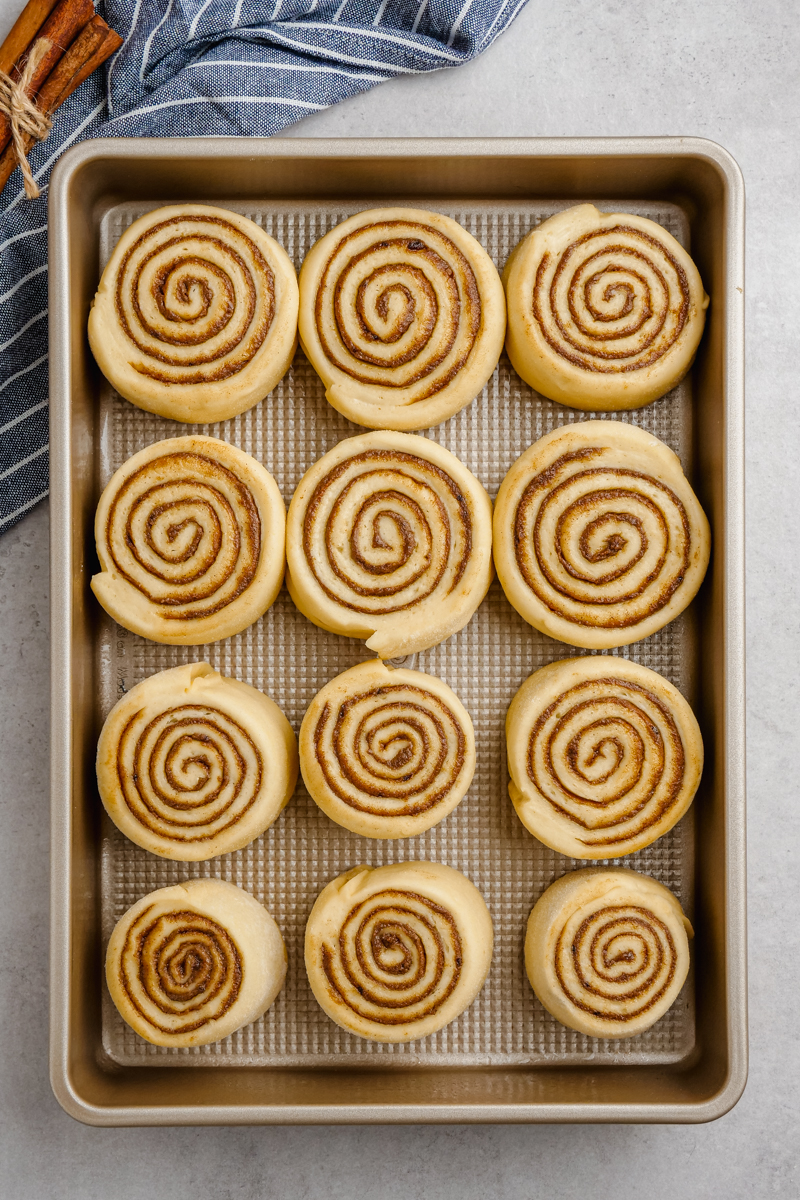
(597, 537)
(395, 953)
(604, 757)
(400, 311)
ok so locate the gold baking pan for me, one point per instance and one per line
(505, 1059)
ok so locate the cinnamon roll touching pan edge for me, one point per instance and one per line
(395, 953)
(607, 951)
(402, 314)
(195, 316)
(599, 539)
(192, 963)
(190, 534)
(604, 756)
(191, 765)
(389, 539)
(605, 310)
(386, 753)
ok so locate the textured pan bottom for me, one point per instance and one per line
(290, 659)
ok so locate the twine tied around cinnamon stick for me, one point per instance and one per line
(23, 115)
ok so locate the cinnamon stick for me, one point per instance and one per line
(66, 20)
(93, 45)
(24, 31)
(91, 48)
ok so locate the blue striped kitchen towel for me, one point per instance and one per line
(191, 67)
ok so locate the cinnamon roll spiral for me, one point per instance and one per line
(389, 539)
(189, 964)
(607, 951)
(191, 765)
(604, 756)
(598, 538)
(386, 753)
(396, 953)
(605, 310)
(190, 535)
(195, 317)
(403, 316)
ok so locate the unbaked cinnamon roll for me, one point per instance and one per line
(403, 316)
(604, 756)
(607, 951)
(195, 317)
(396, 953)
(605, 310)
(389, 539)
(599, 539)
(192, 963)
(191, 765)
(190, 535)
(386, 753)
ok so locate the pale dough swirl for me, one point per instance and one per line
(192, 963)
(607, 951)
(190, 535)
(191, 765)
(402, 314)
(397, 952)
(599, 539)
(386, 753)
(604, 756)
(605, 310)
(389, 539)
(195, 317)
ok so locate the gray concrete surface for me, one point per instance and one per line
(724, 69)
